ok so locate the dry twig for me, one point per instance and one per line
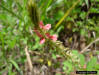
(82, 51)
(28, 59)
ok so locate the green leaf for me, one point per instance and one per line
(53, 56)
(83, 15)
(75, 52)
(79, 23)
(57, 74)
(97, 52)
(59, 29)
(82, 59)
(91, 64)
(49, 20)
(82, 32)
(94, 10)
(98, 72)
(3, 17)
(12, 43)
(97, 66)
(10, 71)
(15, 64)
(58, 15)
(67, 66)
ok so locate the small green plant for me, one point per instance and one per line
(22, 23)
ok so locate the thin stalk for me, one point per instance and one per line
(66, 14)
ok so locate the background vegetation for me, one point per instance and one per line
(76, 22)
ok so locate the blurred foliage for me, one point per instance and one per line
(16, 27)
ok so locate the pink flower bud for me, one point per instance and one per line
(47, 27)
(42, 40)
(41, 24)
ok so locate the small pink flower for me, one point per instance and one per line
(54, 37)
(47, 27)
(42, 40)
(41, 24)
(38, 33)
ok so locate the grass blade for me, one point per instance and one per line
(66, 14)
